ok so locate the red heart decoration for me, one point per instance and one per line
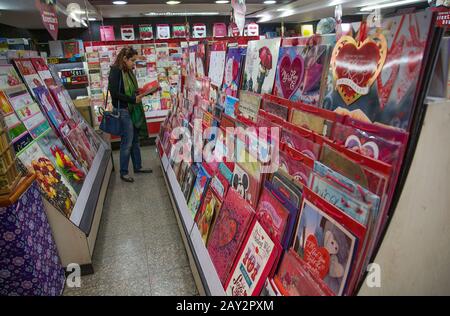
(290, 73)
(317, 258)
(357, 65)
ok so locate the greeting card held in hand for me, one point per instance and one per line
(260, 65)
(257, 256)
(229, 232)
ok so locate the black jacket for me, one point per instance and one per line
(117, 89)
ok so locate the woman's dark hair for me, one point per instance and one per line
(128, 52)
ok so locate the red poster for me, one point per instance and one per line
(48, 16)
(107, 33)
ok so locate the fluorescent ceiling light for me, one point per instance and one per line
(270, 2)
(389, 5)
(92, 19)
(265, 18)
(282, 10)
(222, 1)
(287, 13)
(180, 13)
(173, 2)
(120, 2)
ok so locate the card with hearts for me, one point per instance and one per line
(260, 65)
(302, 143)
(43, 71)
(8, 77)
(255, 261)
(229, 232)
(298, 166)
(300, 71)
(392, 56)
(232, 74)
(326, 246)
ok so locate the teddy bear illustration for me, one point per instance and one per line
(336, 269)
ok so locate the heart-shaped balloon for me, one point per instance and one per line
(290, 74)
(317, 258)
(356, 65)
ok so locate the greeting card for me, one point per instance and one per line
(249, 104)
(79, 145)
(43, 71)
(257, 256)
(294, 279)
(217, 63)
(232, 73)
(260, 65)
(189, 179)
(377, 74)
(127, 32)
(296, 166)
(8, 77)
(219, 30)
(272, 213)
(279, 110)
(247, 182)
(229, 232)
(199, 30)
(301, 142)
(325, 245)
(231, 106)
(52, 184)
(145, 31)
(310, 121)
(107, 33)
(62, 159)
(300, 71)
(179, 31)
(282, 182)
(65, 103)
(49, 106)
(207, 213)
(200, 184)
(29, 74)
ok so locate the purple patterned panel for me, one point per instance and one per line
(29, 261)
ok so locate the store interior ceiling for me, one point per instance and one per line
(24, 14)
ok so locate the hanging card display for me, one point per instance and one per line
(8, 77)
(199, 30)
(252, 29)
(325, 245)
(229, 232)
(385, 92)
(178, 31)
(107, 33)
(257, 256)
(52, 184)
(260, 65)
(300, 71)
(49, 106)
(145, 31)
(127, 32)
(219, 30)
(217, 63)
(232, 73)
(162, 31)
(249, 104)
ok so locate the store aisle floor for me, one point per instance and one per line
(139, 250)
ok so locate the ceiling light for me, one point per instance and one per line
(282, 9)
(222, 1)
(389, 5)
(270, 2)
(180, 13)
(92, 19)
(120, 2)
(173, 2)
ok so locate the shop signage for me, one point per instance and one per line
(47, 9)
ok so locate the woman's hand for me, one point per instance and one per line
(139, 98)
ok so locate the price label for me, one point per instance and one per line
(53, 60)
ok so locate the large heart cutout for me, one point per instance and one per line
(291, 74)
(356, 65)
(317, 258)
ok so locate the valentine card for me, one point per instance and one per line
(145, 32)
(207, 213)
(377, 74)
(217, 63)
(200, 184)
(219, 30)
(226, 170)
(199, 30)
(162, 31)
(310, 121)
(247, 185)
(232, 73)
(301, 142)
(260, 65)
(257, 256)
(294, 279)
(277, 109)
(29, 74)
(298, 166)
(182, 173)
(282, 182)
(54, 187)
(8, 77)
(200, 58)
(65, 103)
(229, 232)
(249, 104)
(300, 71)
(79, 145)
(231, 106)
(48, 106)
(43, 71)
(325, 245)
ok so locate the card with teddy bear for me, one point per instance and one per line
(327, 244)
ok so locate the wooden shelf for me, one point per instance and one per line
(23, 185)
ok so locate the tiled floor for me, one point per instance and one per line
(139, 250)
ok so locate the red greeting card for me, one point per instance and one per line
(256, 258)
(228, 232)
(296, 164)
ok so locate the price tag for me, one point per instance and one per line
(53, 60)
